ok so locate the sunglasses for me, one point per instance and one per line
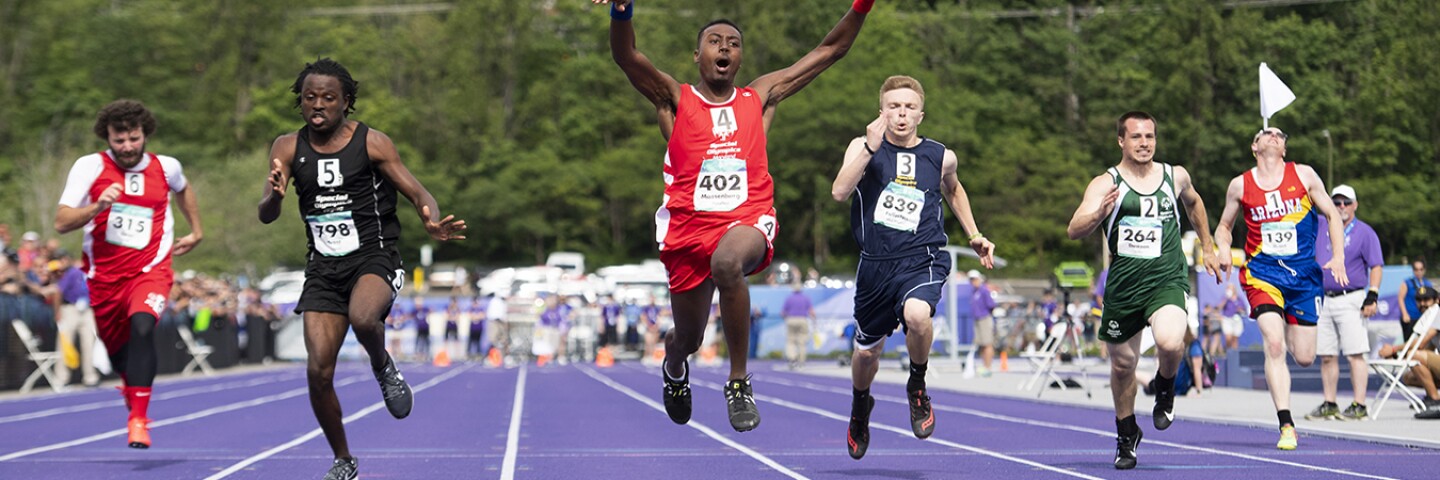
(1275, 132)
(1343, 203)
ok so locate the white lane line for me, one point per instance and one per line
(171, 421)
(158, 397)
(167, 380)
(317, 432)
(512, 439)
(694, 424)
(903, 431)
(1061, 426)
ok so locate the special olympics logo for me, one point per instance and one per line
(156, 302)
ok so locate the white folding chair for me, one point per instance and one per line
(45, 362)
(1043, 360)
(1392, 370)
(198, 353)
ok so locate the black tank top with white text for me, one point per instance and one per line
(896, 211)
(347, 204)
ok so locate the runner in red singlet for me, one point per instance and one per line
(717, 178)
(121, 197)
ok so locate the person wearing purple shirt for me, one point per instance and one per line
(798, 315)
(1232, 321)
(610, 312)
(1344, 318)
(475, 342)
(75, 319)
(421, 315)
(981, 304)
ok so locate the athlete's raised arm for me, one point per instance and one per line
(960, 205)
(1100, 197)
(857, 156)
(279, 178)
(657, 86)
(781, 84)
(383, 153)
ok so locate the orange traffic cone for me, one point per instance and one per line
(494, 357)
(1004, 361)
(659, 354)
(707, 355)
(442, 358)
(604, 359)
(541, 360)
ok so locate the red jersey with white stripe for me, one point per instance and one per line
(136, 233)
(716, 169)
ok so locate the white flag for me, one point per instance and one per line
(1274, 95)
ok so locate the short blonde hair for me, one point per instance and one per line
(897, 82)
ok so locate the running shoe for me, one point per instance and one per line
(677, 395)
(857, 438)
(399, 399)
(139, 432)
(1125, 448)
(1164, 413)
(1326, 411)
(1288, 440)
(343, 469)
(922, 417)
(740, 401)
(1431, 413)
(1356, 411)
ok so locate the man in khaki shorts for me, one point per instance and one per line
(981, 306)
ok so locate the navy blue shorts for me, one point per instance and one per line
(882, 286)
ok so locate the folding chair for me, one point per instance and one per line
(1392, 370)
(198, 353)
(45, 362)
(1043, 360)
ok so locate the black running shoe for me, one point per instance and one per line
(1125, 447)
(398, 396)
(922, 417)
(740, 401)
(677, 395)
(857, 438)
(343, 469)
(1164, 413)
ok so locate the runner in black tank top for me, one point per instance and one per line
(347, 200)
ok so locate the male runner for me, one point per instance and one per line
(121, 196)
(346, 175)
(898, 179)
(717, 178)
(1281, 278)
(1137, 202)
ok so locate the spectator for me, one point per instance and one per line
(421, 315)
(28, 250)
(1214, 331)
(475, 342)
(1410, 311)
(76, 321)
(496, 311)
(1427, 373)
(799, 317)
(1232, 322)
(610, 314)
(1344, 319)
(982, 303)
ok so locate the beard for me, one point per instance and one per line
(131, 159)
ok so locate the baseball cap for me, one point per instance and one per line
(974, 274)
(30, 236)
(1343, 190)
(1426, 293)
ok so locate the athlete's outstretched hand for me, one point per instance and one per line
(875, 133)
(185, 244)
(985, 250)
(1336, 266)
(447, 228)
(1108, 203)
(278, 179)
(109, 196)
(1212, 264)
(620, 5)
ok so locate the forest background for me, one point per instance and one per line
(515, 117)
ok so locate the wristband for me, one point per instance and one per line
(975, 236)
(625, 15)
(1371, 297)
(867, 148)
(863, 6)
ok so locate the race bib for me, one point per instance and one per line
(722, 185)
(1140, 237)
(334, 234)
(129, 226)
(899, 207)
(1278, 239)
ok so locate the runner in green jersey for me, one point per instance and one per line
(1137, 204)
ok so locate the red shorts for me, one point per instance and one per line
(114, 303)
(687, 243)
